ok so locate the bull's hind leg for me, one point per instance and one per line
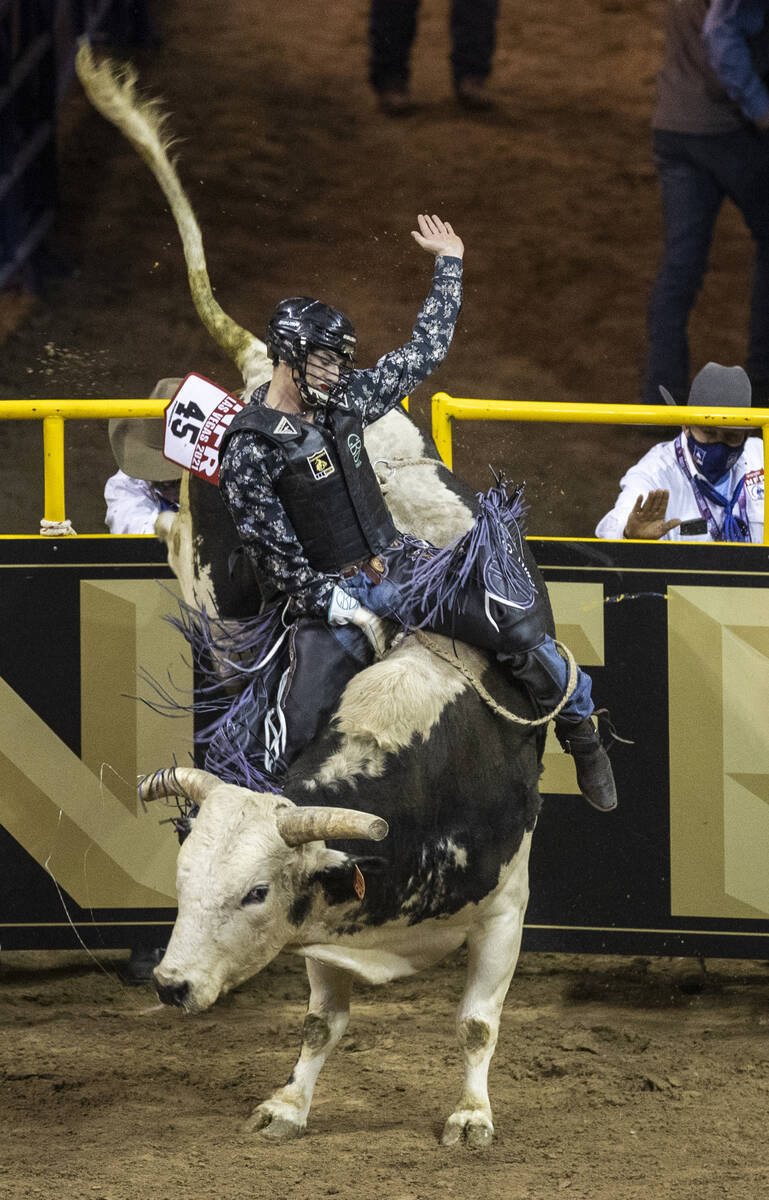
(284, 1114)
(492, 949)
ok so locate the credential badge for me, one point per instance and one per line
(354, 446)
(320, 465)
(754, 485)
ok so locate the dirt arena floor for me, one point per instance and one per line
(609, 1082)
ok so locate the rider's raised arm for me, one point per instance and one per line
(377, 390)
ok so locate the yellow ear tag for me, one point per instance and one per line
(358, 883)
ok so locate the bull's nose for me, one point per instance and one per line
(173, 993)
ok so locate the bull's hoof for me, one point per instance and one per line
(272, 1125)
(281, 1130)
(473, 1127)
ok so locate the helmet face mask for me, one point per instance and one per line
(318, 343)
(323, 376)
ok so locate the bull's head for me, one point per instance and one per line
(249, 882)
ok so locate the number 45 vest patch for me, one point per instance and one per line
(196, 419)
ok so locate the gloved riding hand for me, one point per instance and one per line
(344, 609)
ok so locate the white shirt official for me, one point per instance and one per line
(133, 505)
(659, 469)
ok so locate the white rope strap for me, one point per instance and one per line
(455, 661)
(57, 528)
(392, 467)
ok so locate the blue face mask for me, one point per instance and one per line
(713, 459)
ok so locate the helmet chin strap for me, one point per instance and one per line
(309, 397)
(316, 397)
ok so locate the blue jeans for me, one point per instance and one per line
(697, 172)
(540, 667)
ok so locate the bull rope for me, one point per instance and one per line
(392, 467)
(454, 660)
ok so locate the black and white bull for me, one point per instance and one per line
(412, 747)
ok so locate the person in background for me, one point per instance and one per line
(392, 28)
(710, 141)
(707, 485)
(146, 483)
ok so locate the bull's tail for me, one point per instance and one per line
(111, 88)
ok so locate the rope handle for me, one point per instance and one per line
(392, 467)
(454, 661)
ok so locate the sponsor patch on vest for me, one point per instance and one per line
(320, 465)
(285, 426)
(354, 446)
(754, 485)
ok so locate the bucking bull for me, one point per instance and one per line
(417, 758)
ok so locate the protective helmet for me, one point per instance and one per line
(300, 326)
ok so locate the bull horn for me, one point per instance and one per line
(177, 781)
(299, 825)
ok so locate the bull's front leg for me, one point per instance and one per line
(284, 1114)
(492, 950)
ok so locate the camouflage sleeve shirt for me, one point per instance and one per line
(251, 466)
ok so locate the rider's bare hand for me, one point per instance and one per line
(647, 519)
(437, 236)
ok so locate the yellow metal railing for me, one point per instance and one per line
(53, 414)
(446, 408)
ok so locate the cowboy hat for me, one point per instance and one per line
(717, 387)
(137, 442)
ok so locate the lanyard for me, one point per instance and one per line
(714, 529)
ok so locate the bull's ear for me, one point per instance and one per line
(343, 876)
(183, 823)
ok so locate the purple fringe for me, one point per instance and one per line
(235, 767)
(224, 737)
(241, 647)
(229, 679)
(439, 577)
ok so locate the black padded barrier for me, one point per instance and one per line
(676, 639)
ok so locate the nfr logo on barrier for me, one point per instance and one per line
(82, 621)
(675, 637)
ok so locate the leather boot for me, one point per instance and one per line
(594, 773)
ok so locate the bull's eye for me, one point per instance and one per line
(257, 895)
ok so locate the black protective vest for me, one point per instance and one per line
(327, 486)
